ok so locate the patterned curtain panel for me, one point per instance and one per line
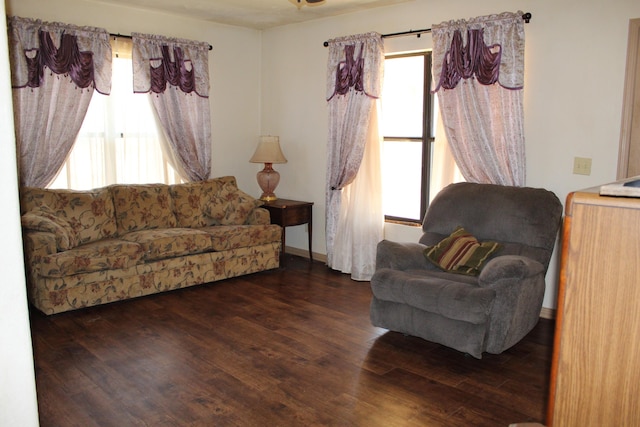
(176, 74)
(478, 69)
(54, 70)
(354, 218)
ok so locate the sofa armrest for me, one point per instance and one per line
(37, 244)
(259, 216)
(508, 267)
(401, 256)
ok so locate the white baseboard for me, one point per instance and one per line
(548, 313)
(305, 254)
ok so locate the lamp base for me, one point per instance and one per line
(268, 180)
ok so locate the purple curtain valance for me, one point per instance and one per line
(349, 73)
(67, 60)
(355, 65)
(178, 72)
(476, 59)
(82, 53)
(487, 48)
(160, 61)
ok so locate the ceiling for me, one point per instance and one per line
(258, 14)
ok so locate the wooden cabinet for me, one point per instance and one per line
(595, 374)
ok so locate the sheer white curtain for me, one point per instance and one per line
(444, 170)
(120, 141)
(361, 220)
(478, 68)
(354, 217)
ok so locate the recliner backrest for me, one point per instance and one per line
(526, 220)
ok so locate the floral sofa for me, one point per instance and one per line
(85, 248)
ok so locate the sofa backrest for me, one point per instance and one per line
(190, 200)
(525, 220)
(142, 207)
(122, 208)
(90, 214)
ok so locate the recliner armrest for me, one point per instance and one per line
(508, 267)
(401, 256)
(518, 282)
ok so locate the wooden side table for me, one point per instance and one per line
(285, 212)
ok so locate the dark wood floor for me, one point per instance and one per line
(288, 347)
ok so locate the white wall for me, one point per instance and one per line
(575, 58)
(18, 406)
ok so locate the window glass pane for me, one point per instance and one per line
(407, 184)
(402, 178)
(402, 96)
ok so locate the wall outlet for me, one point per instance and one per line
(582, 166)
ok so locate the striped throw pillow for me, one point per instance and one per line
(461, 253)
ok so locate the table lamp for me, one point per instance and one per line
(268, 152)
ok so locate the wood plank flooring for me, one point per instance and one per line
(287, 347)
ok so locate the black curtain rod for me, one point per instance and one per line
(124, 36)
(526, 17)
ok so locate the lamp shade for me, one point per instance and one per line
(268, 151)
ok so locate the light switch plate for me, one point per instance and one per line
(582, 166)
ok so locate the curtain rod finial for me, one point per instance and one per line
(526, 17)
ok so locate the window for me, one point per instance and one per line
(120, 138)
(408, 133)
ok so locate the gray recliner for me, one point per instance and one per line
(489, 312)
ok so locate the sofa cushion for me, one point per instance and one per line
(231, 206)
(142, 207)
(225, 237)
(94, 256)
(168, 243)
(42, 218)
(461, 253)
(90, 214)
(191, 198)
(453, 296)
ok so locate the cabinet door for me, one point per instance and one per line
(598, 347)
